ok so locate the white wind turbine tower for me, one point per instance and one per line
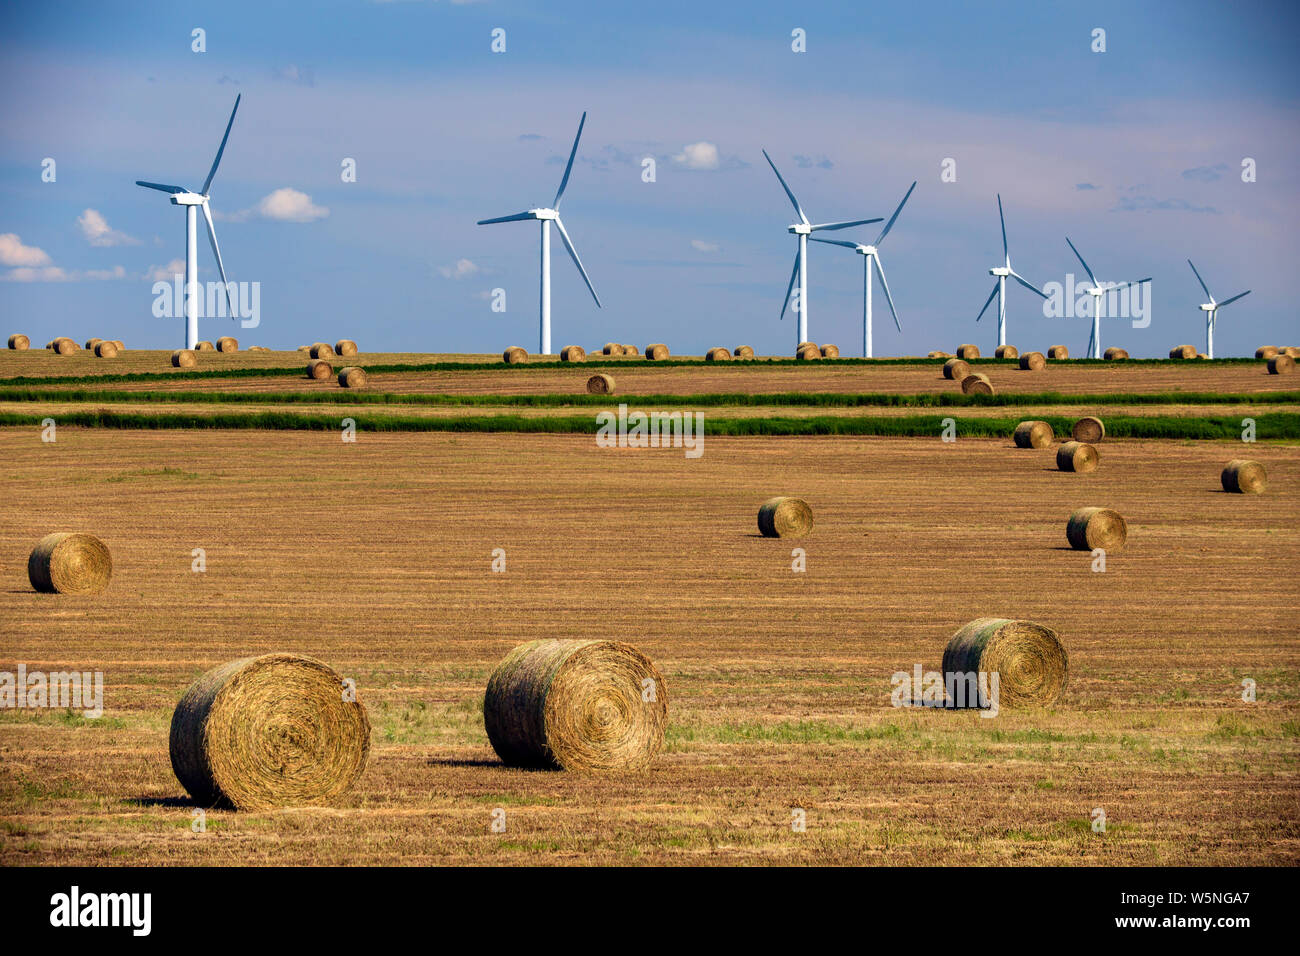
(871, 254)
(803, 229)
(193, 201)
(1211, 310)
(1097, 292)
(546, 216)
(1000, 287)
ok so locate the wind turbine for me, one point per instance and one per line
(1097, 291)
(871, 254)
(546, 216)
(1000, 287)
(193, 201)
(803, 229)
(1211, 310)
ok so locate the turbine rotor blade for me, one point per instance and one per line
(216, 251)
(573, 254)
(1201, 281)
(789, 290)
(844, 225)
(992, 294)
(1233, 299)
(885, 285)
(837, 242)
(1121, 285)
(569, 168)
(221, 149)
(794, 202)
(1032, 288)
(890, 225)
(161, 188)
(1006, 255)
(517, 217)
(1081, 262)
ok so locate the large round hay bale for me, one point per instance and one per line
(184, 358)
(805, 344)
(1033, 362)
(580, 705)
(743, 352)
(830, 351)
(65, 347)
(656, 352)
(1077, 456)
(514, 355)
(259, 733)
(352, 377)
(631, 350)
(345, 347)
(305, 348)
(1058, 352)
(717, 355)
(956, 369)
(227, 343)
(573, 353)
(1089, 430)
(977, 383)
(321, 350)
(1266, 351)
(612, 348)
(1029, 659)
(784, 517)
(968, 351)
(204, 346)
(1281, 364)
(1006, 351)
(1292, 350)
(319, 369)
(1183, 352)
(19, 342)
(1201, 355)
(91, 343)
(121, 346)
(601, 384)
(258, 348)
(69, 563)
(807, 353)
(1113, 354)
(1033, 434)
(1243, 476)
(106, 349)
(1091, 528)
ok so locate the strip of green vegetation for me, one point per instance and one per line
(1269, 426)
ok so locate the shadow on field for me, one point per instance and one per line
(161, 801)
(481, 762)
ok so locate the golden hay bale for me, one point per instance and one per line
(612, 348)
(1029, 659)
(1292, 350)
(977, 383)
(305, 348)
(1006, 351)
(1243, 476)
(227, 343)
(631, 350)
(804, 344)
(204, 347)
(1058, 352)
(65, 347)
(121, 346)
(1183, 352)
(70, 563)
(601, 384)
(345, 347)
(352, 377)
(956, 369)
(1033, 434)
(743, 352)
(319, 369)
(1089, 430)
(514, 355)
(1090, 528)
(259, 733)
(321, 350)
(1033, 362)
(1281, 364)
(106, 349)
(91, 343)
(656, 352)
(808, 352)
(830, 351)
(258, 348)
(1266, 351)
(1113, 354)
(1201, 355)
(581, 705)
(717, 355)
(1077, 456)
(968, 351)
(783, 517)
(19, 342)
(184, 358)
(573, 353)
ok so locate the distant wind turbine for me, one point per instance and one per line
(1000, 287)
(193, 201)
(1097, 291)
(546, 216)
(803, 229)
(1211, 310)
(871, 254)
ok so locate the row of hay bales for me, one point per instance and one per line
(101, 348)
(351, 376)
(323, 350)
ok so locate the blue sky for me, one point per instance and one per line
(1135, 153)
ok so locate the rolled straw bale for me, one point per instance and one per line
(1183, 352)
(968, 351)
(1033, 434)
(830, 351)
(1058, 352)
(1292, 350)
(49, 344)
(573, 353)
(808, 352)
(227, 343)
(352, 377)
(803, 344)
(258, 348)
(65, 347)
(121, 346)
(956, 369)
(717, 355)
(321, 350)
(784, 517)
(1266, 351)
(601, 384)
(656, 352)
(514, 355)
(1089, 430)
(305, 348)
(106, 349)
(1113, 354)
(631, 350)
(1077, 456)
(977, 383)
(612, 348)
(70, 563)
(1033, 362)
(1243, 476)
(1006, 351)
(259, 733)
(345, 347)
(1090, 528)
(1201, 355)
(1029, 659)
(743, 352)
(184, 358)
(581, 705)
(91, 343)
(19, 343)
(1281, 364)
(204, 347)
(319, 369)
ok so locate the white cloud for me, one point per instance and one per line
(166, 273)
(290, 205)
(98, 233)
(698, 156)
(57, 274)
(462, 269)
(14, 253)
(703, 245)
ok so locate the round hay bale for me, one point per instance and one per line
(352, 377)
(1183, 352)
(581, 705)
(121, 346)
(305, 348)
(600, 384)
(830, 351)
(632, 350)
(1245, 477)
(321, 350)
(319, 369)
(612, 348)
(19, 343)
(783, 517)
(956, 369)
(204, 347)
(227, 343)
(1281, 364)
(1114, 355)
(1091, 528)
(1089, 430)
(1006, 351)
(1033, 435)
(717, 355)
(1029, 659)
(1266, 351)
(1077, 456)
(106, 349)
(266, 732)
(573, 353)
(1058, 352)
(258, 348)
(968, 351)
(1201, 355)
(1033, 362)
(1292, 350)
(743, 352)
(977, 383)
(70, 563)
(804, 344)
(345, 347)
(808, 352)
(514, 355)
(184, 358)
(657, 352)
(91, 343)
(65, 347)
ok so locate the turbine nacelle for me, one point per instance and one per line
(1001, 272)
(544, 213)
(1208, 307)
(800, 229)
(188, 199)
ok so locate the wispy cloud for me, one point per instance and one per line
(703, 245)
(1138, 199)
(96, 230)
(283, 205)
(14, 253)
(57, 274)
(810, 162)
(1084, 187)
(460, 269)
(1206, 174)
(166, 273)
